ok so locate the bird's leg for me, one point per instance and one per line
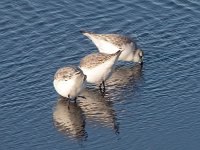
(68, 98)
(116, 127)
(102, 89)
(75, 100)
(141, 64)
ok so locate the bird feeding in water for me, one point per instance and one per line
(98, 67)
(111, 43)
(69, 81)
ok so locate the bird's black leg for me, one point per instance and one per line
(102, 89)
(68, 98)
(141, 64)
(75, 100)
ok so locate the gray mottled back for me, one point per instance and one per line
(95, 59)
(67, 73)
(115, 39)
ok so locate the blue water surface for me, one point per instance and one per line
(156, 107)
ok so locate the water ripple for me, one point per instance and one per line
(38, 37)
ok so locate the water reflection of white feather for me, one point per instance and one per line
(122, 76)
(69, 119)
(98, 109)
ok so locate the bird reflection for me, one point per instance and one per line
(69, 119)
(123, 76)
(98, 108)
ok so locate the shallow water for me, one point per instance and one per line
(154, 107)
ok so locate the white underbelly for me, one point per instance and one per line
(99, 73)
(69, 88)
(105, 47)
(108, 48)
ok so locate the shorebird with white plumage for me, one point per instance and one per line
(69, 81)
(98, 67)
(111, 43)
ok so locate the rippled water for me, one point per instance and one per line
(154, 107)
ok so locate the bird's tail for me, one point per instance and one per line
(86, 33)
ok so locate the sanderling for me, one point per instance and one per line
(111, 43)
(69, 81)
(98, 67)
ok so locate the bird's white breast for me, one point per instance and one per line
(109, 48)
(70, 87)
(99, 73)
(105, 47)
